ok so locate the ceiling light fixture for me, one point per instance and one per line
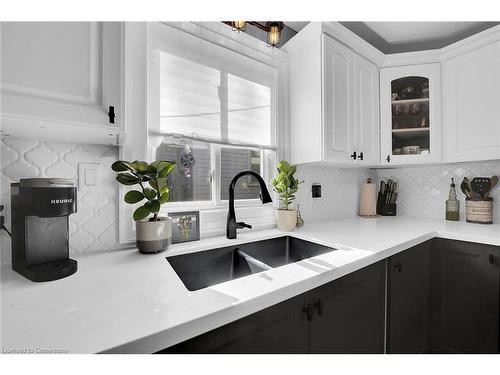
(274, 33)
(239, 25)
(272, 28)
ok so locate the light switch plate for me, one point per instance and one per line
(89, 175)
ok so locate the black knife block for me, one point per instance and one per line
(385, 209)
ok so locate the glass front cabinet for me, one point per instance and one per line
(410, 114)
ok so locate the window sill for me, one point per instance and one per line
(209, 206)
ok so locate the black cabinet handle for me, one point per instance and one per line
(388, 158)
(353, 155)
(111, 114)
(491, 258)
(398, 266)
(318, 305)
(309, 311)
(361, 156)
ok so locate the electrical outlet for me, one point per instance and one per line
(316, 191)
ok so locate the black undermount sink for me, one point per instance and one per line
(205, 268)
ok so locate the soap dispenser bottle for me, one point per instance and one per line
(452, 204)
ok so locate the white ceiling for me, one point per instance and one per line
(395, 37)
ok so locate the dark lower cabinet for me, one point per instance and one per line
(349, 313)
(408, 300)
(444, 297)
(465, 297)
(344, 316)
(282, 328)
(441, 296)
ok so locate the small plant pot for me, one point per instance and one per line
(286, 219)
(153, 236)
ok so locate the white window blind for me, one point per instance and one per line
(209, 93)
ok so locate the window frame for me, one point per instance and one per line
(136, 100)
(267, 160)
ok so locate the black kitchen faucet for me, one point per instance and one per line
(264, 196)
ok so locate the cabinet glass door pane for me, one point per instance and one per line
(410, 116)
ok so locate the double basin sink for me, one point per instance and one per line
(206, 268)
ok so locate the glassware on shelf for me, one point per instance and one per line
(409, 88)
(398, 109)
(410, 115)
(415, 108)
(411, 150)
(423, 122)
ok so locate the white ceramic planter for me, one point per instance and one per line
(286, 219)
(153, 236)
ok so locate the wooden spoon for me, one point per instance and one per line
(494, 181)
(465, 189)
(467, 183)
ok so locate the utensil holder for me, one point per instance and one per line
(479, 211)
(385, 209)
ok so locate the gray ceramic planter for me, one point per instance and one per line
(153, 236)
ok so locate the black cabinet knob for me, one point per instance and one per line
(388, 158)
(398, 267)
(354, 155)
(361, 156)
(308, 310)
(318, 305)
(491, 259)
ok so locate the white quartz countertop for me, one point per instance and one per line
(124, 301)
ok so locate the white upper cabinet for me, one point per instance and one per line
(59, 79)
(333, 102)
(338, 100)
(471, 102)
(366, 129)
(410, 114)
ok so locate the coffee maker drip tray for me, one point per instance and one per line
(53, 270)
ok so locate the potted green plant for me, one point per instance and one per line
(153, 234)
(286, 185)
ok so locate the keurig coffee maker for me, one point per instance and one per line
(40, 232)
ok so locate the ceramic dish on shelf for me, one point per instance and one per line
(397, 151)
(411, 150)
(409, 90)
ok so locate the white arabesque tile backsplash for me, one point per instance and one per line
(94, 226)
(423, 190)
(339, 189)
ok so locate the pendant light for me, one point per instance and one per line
(239, 25)
(274, 33)
(272, 28)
